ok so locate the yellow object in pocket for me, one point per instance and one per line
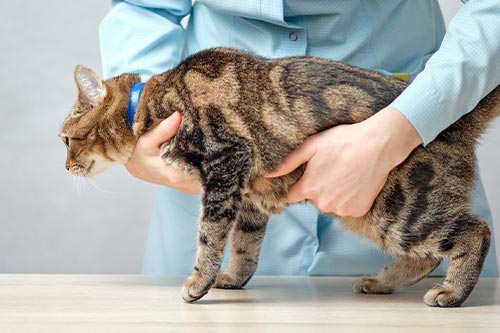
(402, 76)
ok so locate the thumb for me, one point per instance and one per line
(163, 131)
(296, 158)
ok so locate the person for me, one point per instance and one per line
(450, 71)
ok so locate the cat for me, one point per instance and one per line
(242, 115)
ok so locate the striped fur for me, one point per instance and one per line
(243, 114)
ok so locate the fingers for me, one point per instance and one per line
(179, 180)
(296, 193)
(163, 132)
(298, 157)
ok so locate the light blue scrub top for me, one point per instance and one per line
(395, 37)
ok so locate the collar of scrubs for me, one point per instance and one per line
(135, 96)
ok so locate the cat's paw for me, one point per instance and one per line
(227, 281)
(195, 288)
(443, 296)
(371, 285)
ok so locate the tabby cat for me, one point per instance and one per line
(242, 115)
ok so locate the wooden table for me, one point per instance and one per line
(107, 303)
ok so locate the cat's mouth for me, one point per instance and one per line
(80, 170)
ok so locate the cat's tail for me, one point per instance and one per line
(485, 112)
(471, 126)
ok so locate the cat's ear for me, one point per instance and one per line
(89, 84)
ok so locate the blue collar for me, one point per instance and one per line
(135, 95)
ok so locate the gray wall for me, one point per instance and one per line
(49, 223)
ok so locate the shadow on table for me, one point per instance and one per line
(322, 290)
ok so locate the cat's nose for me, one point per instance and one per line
(68, 162)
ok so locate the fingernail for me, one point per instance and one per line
(172, 118)
(271, 174)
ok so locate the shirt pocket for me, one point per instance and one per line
(409, 75)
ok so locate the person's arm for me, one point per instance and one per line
(142, 36)
(464, 70)
(347, 165)
(147, 38)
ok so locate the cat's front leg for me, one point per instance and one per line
(246, 240)
(224, 180)
(218, 216)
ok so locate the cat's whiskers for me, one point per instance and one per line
(77, 185)
(79, 175)
(83, 185)
(92, 182)
(84, 182)
(74, 184)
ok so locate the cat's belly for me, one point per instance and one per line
(363, 227)
(391, 240)
(267, 202)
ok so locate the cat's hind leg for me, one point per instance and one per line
(246, 241)
(404, 272)
(466, 244)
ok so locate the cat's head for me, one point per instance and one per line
(96, 132)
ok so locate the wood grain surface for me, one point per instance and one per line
(123, 303)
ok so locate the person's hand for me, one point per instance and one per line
(146, 164)
(347, 165)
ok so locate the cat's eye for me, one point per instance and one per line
(65, 140)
